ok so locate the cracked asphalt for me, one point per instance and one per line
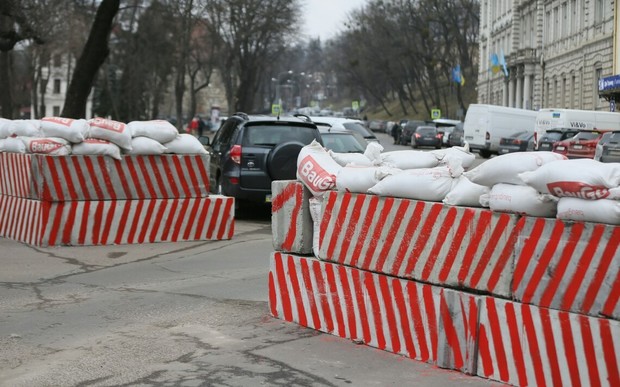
(172, 314)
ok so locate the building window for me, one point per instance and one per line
(598, 11)
(56, 86)
(564, 20)
(571, 97)
(598, 74)
(56, 111)
(57, 60)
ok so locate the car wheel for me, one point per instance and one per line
(282, 161)
(218, 186)
(485, 153)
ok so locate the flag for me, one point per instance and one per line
(495, 67)
(502, 62)
(457, 76)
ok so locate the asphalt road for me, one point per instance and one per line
(173, 314)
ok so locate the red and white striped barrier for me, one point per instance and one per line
(525, 345)
(419, 321)
(426, 241)
(68, 178)
(291, 223)
(569, 266)
(106, 222)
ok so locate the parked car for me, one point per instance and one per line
(518, 142)
(408, 130)
(426, 136)
(338, 139)
(249, 152)
(552, 136)
(582, 145)
(608, 148)
(356, 126)
(378, 126)
(457, 137)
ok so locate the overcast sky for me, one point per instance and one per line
(325, 18)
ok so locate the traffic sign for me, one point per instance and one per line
(435, 114)
(275, 109)
(355, 105)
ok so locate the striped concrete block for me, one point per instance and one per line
(107, 222)
(523, 345)
(67, 178)
(291, 223)
(430, 242)
(419, 321)
(569, 266)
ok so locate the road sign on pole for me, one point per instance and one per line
(355, 105)
(435, 114)
(275, 109)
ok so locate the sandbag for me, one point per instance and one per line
(360, 179)
(53, 146)
(145, 146)
(94, 146)
(373, 152)
(185, 144)
(345, 159)
(72, 130)
(316, 169)
(113, 131)
(579, 178)
(430, 184)
(4, 128)
(506, 168)
(25, 128)
(466, 158)
(465, 193)
(584, 210)
(409, 159)
(519, 199)
(14, 145)
(158, 130)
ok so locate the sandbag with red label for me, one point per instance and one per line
(316, 169)
(520, 199)
(72, 130)
(506, 168)
(159, 130)
(578, 178)
(583, 210)
(53, 146)
(110, 130)
(185, 143)
(430, 184)
(95, 146)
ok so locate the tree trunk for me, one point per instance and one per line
(6, 99)
(95, 53)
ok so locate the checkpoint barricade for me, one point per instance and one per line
(291, 223)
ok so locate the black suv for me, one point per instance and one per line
(248, 152)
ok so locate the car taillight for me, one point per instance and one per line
(517, 142)
(488, 136)
(417, 135)
(235, 154)
(439, 135)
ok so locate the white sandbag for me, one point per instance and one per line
(53, 146)
(430, 184)
(185, 143)
(506, 168)
(110, 130)
(4, 128)
(316, 214)
(14, 145)
(145, 146)
(316, 169)
(360, 179)
(409, 159)
(373, 152)
(94, 146)
(159, 130)
(520, 199)
(345, 159)
(67, 128)
(583, 210)
(579, 178)
(465, 193)
(467, 158)
(1, 144)
(25, 128)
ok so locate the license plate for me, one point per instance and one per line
(560, 148)
(267, 198)
(503, 151)
(577, 146)
(545, 146)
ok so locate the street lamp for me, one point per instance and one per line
(277, 80)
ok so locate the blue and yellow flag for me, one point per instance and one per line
(495, 66)
(457, 76)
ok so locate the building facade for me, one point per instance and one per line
(545, 53)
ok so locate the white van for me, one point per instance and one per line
(485, 125)
(575, 119)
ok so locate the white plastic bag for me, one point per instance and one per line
(465, 193)
(67, 128)
(506, 168)
(110, 130)
(579, 178)
(520, 199)
(360, 179)
(185, 144)
(583, 210)
(316, 169)
(430, 184)
(345, 159)
(159, 130)
(409, 159)
(53, 146)
(94, 146)
(145, 146)
(25, 128)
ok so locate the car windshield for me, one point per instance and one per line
(342, 142)
(358, 128)
(525, 136)
(270, 135)
(614, 137)
(552, 136)
(426, 130)
(586, 135)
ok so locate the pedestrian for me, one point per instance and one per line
(192, 128)
(201, 126)
(396, 132)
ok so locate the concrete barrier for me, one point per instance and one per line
(106, 222)
(291, 223)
